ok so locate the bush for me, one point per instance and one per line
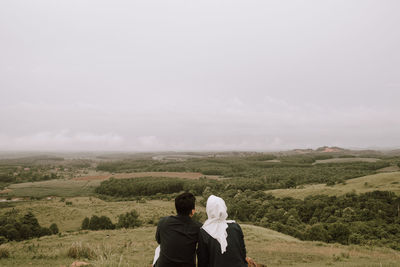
(53, 228)
(97, 223)
(44, 231)
(129, 220)
(339, 232)
(356, 239)
(317, 232)
(85, 224)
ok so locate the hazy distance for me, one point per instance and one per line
(199, 75)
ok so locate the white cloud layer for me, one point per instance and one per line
(208, 75)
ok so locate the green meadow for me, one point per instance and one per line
(381, 181)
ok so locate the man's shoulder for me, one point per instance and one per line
(197, 224)
(180, 220)
(164, 219)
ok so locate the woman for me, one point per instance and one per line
(221, 242)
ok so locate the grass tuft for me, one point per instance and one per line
(79, 251)
(4, 253)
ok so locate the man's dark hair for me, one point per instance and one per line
(184, 203)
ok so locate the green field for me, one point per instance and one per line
(381, 181)
(61, 187)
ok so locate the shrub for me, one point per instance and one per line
(129, 220)
(53, 228)
(356, 239)
(85, 224)
(97, 223)
(339, 232)
(44, 231)
(317, 232)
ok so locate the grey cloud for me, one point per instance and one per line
(162, 75)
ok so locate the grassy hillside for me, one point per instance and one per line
(381, 181)
(341, 160)
(61, 187)
(84, 185)
(135, 247)
(69, 217)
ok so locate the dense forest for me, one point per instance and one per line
(283, 172)
(369, 219)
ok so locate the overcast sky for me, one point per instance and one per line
(199, 75)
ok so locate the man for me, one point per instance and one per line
(178, 235)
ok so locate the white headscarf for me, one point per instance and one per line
(216, 223)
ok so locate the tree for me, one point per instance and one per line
(290, 183)
(105, 223)
(317, 232)
(12, 233)
(44, 231)
(85, 224)
(26, 231)
(94, 223)
(97, 223)
(53, 228)
(129, 220)
(339, 232)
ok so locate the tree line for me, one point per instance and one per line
(13, 226)
(127, 220)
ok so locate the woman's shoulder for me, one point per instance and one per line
(234, 226)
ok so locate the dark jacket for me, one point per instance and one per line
(177, 236)
(209, 249)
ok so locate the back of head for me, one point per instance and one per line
(216, 208)
(185, 203)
